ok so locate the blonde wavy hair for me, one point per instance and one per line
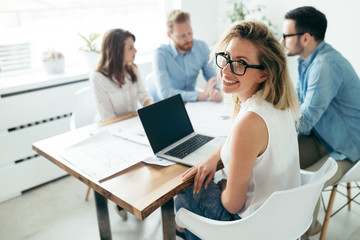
(277, 88)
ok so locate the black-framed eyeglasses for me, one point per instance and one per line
(291, 35)
(237, 67)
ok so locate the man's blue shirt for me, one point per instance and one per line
(328, 89)
(177, 73)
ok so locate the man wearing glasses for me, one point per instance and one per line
(328, 90)
(177, 64)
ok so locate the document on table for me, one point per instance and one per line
(102, 155)
(130, 129)
(210, 118)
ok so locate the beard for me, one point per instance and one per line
(184, 47)
(296, 50)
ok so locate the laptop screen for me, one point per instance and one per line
(165, 122)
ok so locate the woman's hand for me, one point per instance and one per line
(204, 171)
(148, 102)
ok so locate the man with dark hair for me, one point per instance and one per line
(328, 89)
(177, 64)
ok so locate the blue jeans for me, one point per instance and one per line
(206, 203)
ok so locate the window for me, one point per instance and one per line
(56, 23)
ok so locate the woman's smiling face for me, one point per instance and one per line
(243, 86)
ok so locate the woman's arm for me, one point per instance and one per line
(143, 95)
(250, 140)
(148, 102)
(204, 171)
(103, 101)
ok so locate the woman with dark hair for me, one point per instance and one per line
(115, 81)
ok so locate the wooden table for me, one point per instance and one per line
(140, 189)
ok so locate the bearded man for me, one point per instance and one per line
(177, 64)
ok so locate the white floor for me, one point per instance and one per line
(58, 211)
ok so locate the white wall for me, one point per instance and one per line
(204, 19)
(343, 33)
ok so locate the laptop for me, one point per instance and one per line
(171, 134)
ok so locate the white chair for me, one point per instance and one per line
(84, 112)
(285, 215)
(151, 87)
(352, 175)
(84, 109)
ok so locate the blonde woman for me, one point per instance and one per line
(260, 154)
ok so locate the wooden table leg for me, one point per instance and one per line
(168, 220)
(102, 216)
(348, 187)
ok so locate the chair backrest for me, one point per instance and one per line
(84, 109)
(353, 174)
(151, 87)
(285, 215)
(324, 172)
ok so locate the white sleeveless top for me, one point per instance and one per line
(278, 167)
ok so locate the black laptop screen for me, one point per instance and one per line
(165, 122)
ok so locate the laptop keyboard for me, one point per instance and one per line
(189, 146)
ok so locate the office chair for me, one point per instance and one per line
(84, 112)
(151, 87)
(84, 109)
(352, 175)
(285, 214)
